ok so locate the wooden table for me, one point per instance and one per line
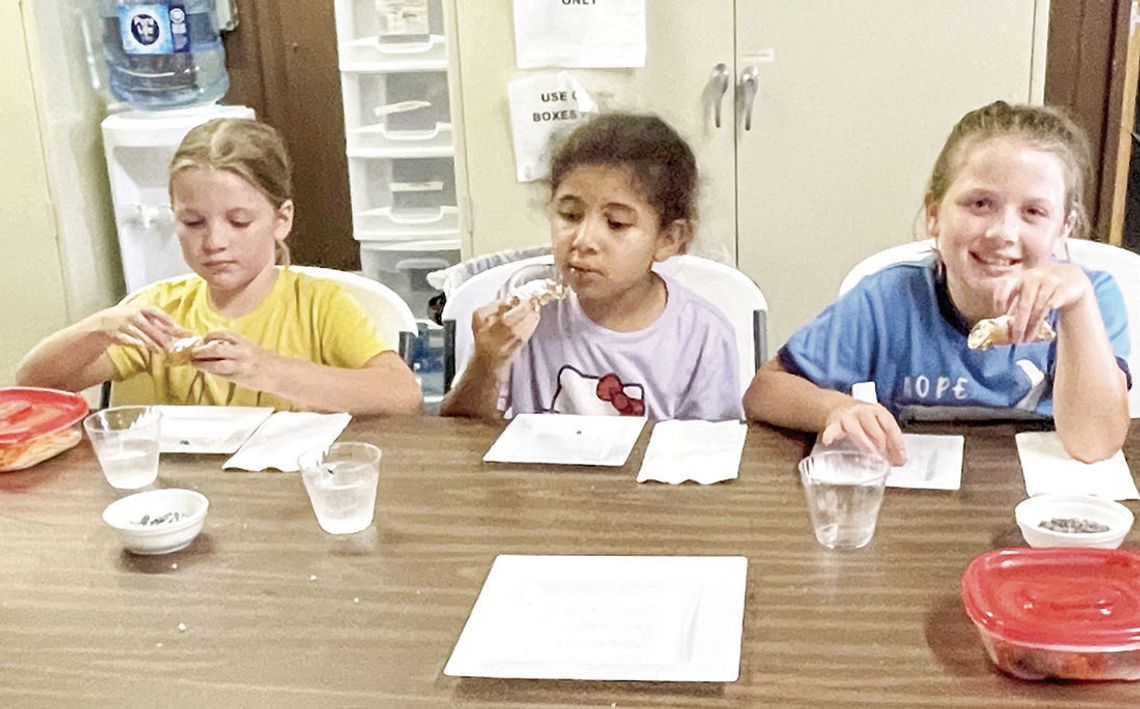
(264, 609)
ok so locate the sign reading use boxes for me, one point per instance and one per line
(543, 107)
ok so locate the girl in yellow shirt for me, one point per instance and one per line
(269, 336)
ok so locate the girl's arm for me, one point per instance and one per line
(76, 357)
(384, 385)
(779, 397)
(499, 331)
(1090, 392)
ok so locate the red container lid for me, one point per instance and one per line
(1060, 596)
(27, 413)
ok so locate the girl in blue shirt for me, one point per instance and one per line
(1005, 193)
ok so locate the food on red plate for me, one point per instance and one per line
(995, 331)
(1064, 612)
(37, 424)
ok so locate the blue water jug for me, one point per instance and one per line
(163, 54)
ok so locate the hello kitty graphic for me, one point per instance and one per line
(607, 395)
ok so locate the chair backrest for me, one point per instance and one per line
(724, 286)
(1124, 266)
(911, 251)
(392, 317)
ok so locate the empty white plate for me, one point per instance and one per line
(652, 618)
(566, 439)
(208, 429)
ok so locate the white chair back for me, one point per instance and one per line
(910, 252)
(392, 316)
(1124, 266)
(735, 294)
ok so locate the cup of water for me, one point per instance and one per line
(125, 439)
(844, 490)
(341, 482)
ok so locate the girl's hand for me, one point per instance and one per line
(502, 328)
(1028, 297)
(135, 326)
(232, 357)
(870, 427)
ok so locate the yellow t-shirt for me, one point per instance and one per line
(302, 317)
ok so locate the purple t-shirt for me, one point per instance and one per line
(683, 366)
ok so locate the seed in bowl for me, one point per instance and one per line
(1073, 525)
(168, 518)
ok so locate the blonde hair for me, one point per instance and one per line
(248, 148)
(1044, 127)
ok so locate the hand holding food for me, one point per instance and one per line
(233, 357)
(501, 329)
(136, 326)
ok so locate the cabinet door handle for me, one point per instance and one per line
(720, 87)
(749, 80)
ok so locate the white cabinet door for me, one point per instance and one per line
(686, 40)
(851, 110)
(848, 119)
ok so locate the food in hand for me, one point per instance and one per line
(995, 331)
(18, 456)
(184, 349)
(540, 291)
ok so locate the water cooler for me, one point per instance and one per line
(139, 146)
(165, 61)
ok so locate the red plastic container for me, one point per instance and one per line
(36, 424)
(1058, 612)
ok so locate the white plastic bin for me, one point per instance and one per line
(403, 266)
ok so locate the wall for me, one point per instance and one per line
(56, 230)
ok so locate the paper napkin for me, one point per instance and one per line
(284, 437)
(932, 463)
(704, 451)
(1048, 468)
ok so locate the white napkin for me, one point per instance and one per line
(932, 463)
(1048, 468)
(284, 437)
(704, 451)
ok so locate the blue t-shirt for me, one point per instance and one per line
(899, 329)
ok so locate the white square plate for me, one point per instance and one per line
(208, 429)
(566, 439)
(649, 618)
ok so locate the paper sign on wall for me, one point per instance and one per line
(582, 34)
(544, 106)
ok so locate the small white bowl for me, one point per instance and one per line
(134, 517)
(1032, 512)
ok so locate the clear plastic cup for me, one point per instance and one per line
(844, 490)
(125, 439)
(341, 481)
